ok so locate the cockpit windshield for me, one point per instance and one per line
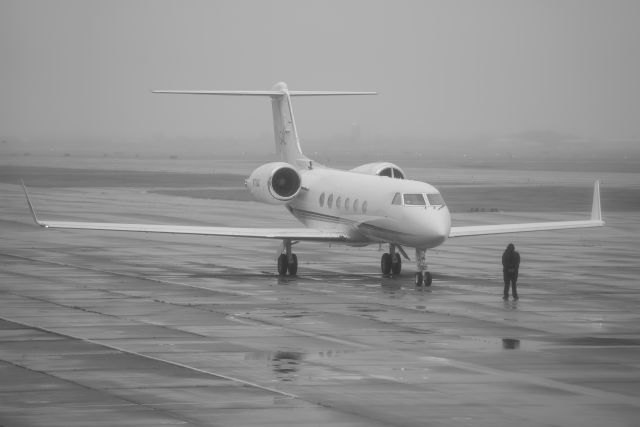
(435, 199)
(414, 200)
(418, 199)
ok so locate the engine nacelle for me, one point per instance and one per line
(275, 183)
(381, 169)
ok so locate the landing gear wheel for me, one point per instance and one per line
(283, 265)
(293, 265)
(422, 276)
(396, 266)
(385, 264)
(427, 279)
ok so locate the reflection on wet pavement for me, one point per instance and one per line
(510, 344)
(286, 364)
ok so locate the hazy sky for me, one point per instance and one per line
(458, 69)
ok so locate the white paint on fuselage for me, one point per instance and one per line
(382, 221)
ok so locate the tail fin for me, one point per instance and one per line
(284, 126)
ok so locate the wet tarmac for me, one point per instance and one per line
(101, 328)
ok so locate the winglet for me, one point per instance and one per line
(596, 209)
(33, 211)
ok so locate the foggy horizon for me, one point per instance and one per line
(81, 72)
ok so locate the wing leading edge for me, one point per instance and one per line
(479, 230)
(308, 234)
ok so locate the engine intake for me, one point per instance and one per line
(275, 183)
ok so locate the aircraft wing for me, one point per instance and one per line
(265, 233)
(478, 230)
(308, 234)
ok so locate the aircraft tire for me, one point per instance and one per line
(418, 279)
(427, 279)
(396, 267)
(385, 264)
(282, 265)
(293, 265)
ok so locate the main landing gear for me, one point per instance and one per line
(423, 277)
(391, 263)
(287, 261)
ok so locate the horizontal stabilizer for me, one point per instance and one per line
(223, 92)
(286, 139)
(272, 93)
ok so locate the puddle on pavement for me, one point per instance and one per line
(492, 343)
(510, 344)
(363, 309)
(287, 364)
(602, 342)
(297, 315)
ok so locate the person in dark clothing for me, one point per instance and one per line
(510, 266)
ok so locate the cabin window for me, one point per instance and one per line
(321, 200)
(338, 202)
(356, 203)
(364, 207)
(397, 199)
(330, 201)
(347, 202)
(435, 199)
(414, 200)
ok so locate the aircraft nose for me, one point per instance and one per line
(442, 224)
(436, 226)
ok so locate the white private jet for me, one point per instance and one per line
(372, 204)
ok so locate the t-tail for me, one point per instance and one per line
(284, 125)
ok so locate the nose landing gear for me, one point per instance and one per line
(423, 277)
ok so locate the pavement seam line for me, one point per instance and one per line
(157, 359)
